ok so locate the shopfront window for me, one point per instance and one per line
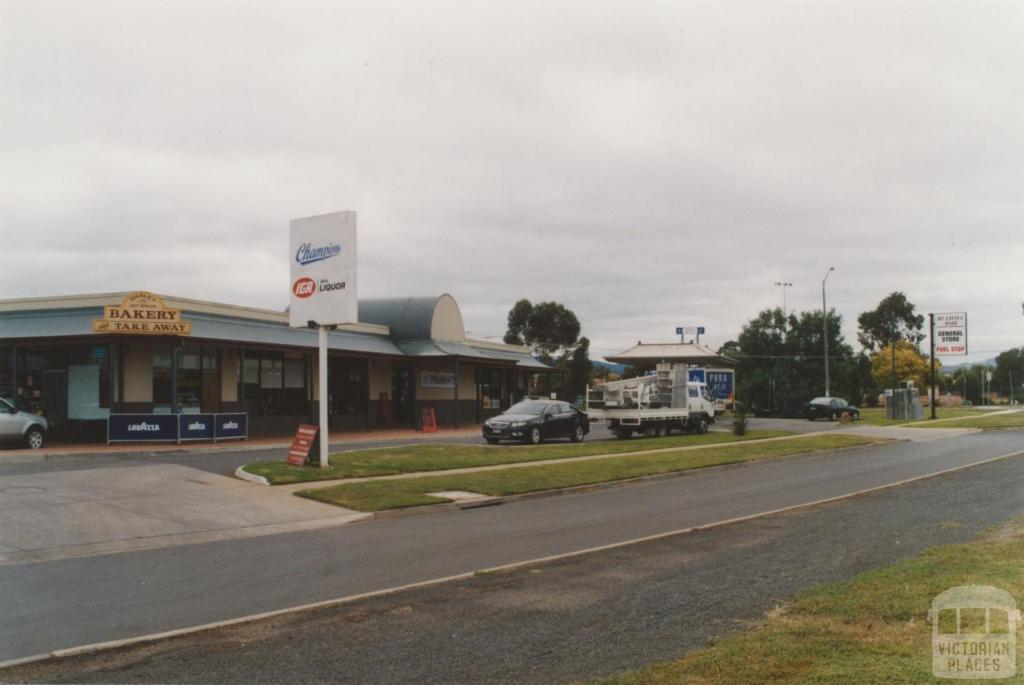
(162, 381)
(7, 372)
(295, 386)
(41, 385)
(274, 385)
(189, 380)
(88, 382)
(490, 388)
(348, 384)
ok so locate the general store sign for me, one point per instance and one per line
(142, 313)
(951, 333)
(322, 255)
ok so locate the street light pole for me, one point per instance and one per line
(784, 286)
(824, 326)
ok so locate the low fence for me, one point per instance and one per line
(176, 428)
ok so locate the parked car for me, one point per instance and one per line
(21, 426)
(830, 408)
(533, 421)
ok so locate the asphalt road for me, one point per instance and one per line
(581, 617)
(51, 605)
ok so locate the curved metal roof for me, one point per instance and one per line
(409, 318)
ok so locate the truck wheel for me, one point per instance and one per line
(623, 433)
(34, 438)
(702, 426)
(660, 431)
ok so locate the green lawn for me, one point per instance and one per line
(873, 629)
(438, 457)
(876, 415)
(407, 492)
(1015, 420)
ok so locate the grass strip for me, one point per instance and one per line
(438, 457)
(1000, 421)
(871, 629)
(875, 416)
(392, 494)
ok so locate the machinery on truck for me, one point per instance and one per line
(653, 405)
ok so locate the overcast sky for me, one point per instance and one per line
(647, 164)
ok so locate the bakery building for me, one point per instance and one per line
(80, 359)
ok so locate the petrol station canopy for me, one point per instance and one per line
(677, 353)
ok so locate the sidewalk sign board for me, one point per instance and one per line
(302, 443)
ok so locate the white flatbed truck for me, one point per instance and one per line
(653, 405)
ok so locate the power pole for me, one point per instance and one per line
(931, 328)
(824, 326)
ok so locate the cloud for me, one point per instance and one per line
(650, 166)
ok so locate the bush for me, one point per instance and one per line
(739, 422)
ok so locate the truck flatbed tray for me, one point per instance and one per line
(634, 416)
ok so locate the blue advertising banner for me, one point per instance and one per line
(195, 426)
(720, 384)
(228, 426)
(142, 428)
(696, 376)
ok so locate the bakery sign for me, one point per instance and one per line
(142, 313)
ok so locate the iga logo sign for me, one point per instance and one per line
(304, 287)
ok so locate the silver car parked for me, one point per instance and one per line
(21, 426)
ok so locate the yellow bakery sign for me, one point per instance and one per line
(142, 313)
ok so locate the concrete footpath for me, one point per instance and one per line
(47, 516)
(338, 441)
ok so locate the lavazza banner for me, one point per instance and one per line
(323, 270)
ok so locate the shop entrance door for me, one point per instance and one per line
(403, 402)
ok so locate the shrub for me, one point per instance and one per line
(739, 422)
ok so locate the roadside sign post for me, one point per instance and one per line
(931, 336)
(323, 275)
(949, 337)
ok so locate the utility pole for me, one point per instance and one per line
(931, 336)
(892, 336)
(824, 326)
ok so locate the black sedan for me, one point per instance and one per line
(532, 421)
(830, 408)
